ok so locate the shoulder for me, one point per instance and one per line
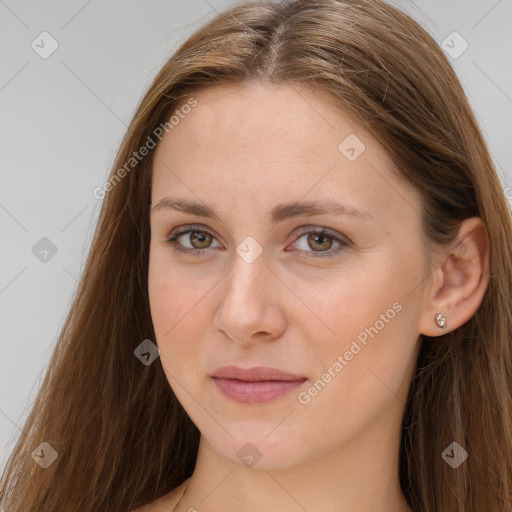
(166, 502)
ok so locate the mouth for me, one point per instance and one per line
(255, 385)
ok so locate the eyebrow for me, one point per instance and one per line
(278, 214)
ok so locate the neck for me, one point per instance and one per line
(358, 477)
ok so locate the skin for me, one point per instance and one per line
(242, 151)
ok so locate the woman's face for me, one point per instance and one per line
(252, 285)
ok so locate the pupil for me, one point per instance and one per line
(316, 239)
(201, 238)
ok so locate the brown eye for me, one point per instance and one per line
(200, 239)
(319, 241)
(193, 241)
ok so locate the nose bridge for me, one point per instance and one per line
(248, 306)
(245, 282)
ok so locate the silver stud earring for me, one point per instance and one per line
(440, 320)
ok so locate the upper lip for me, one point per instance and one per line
(256, 373)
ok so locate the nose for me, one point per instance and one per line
(251, 310)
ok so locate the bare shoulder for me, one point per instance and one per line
(164, 503)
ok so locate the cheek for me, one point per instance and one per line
(177, 308)
(355, 382)
(349, 300)
(367, 317)
(172, 294)
(375, 323)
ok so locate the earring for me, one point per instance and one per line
(440, 320)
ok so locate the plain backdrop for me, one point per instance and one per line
(63, 117)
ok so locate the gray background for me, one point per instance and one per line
(63, 118)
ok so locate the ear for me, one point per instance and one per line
(459, 281)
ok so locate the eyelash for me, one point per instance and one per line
(344, 243)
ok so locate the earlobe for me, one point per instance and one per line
(463, 278)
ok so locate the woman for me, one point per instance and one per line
(298, 296)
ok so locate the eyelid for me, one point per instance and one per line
(344, 241)
(172, 237)
(326, 231)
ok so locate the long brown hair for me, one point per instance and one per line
(121, 436)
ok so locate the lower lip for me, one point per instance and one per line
(255, 392)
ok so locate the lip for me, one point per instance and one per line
(255, 385)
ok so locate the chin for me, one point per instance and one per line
(252, 447)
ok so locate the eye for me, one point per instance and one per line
(316, 242)
(192, 240)
(319, 243)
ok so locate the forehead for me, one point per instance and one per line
(264, 117)
(258, 142)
